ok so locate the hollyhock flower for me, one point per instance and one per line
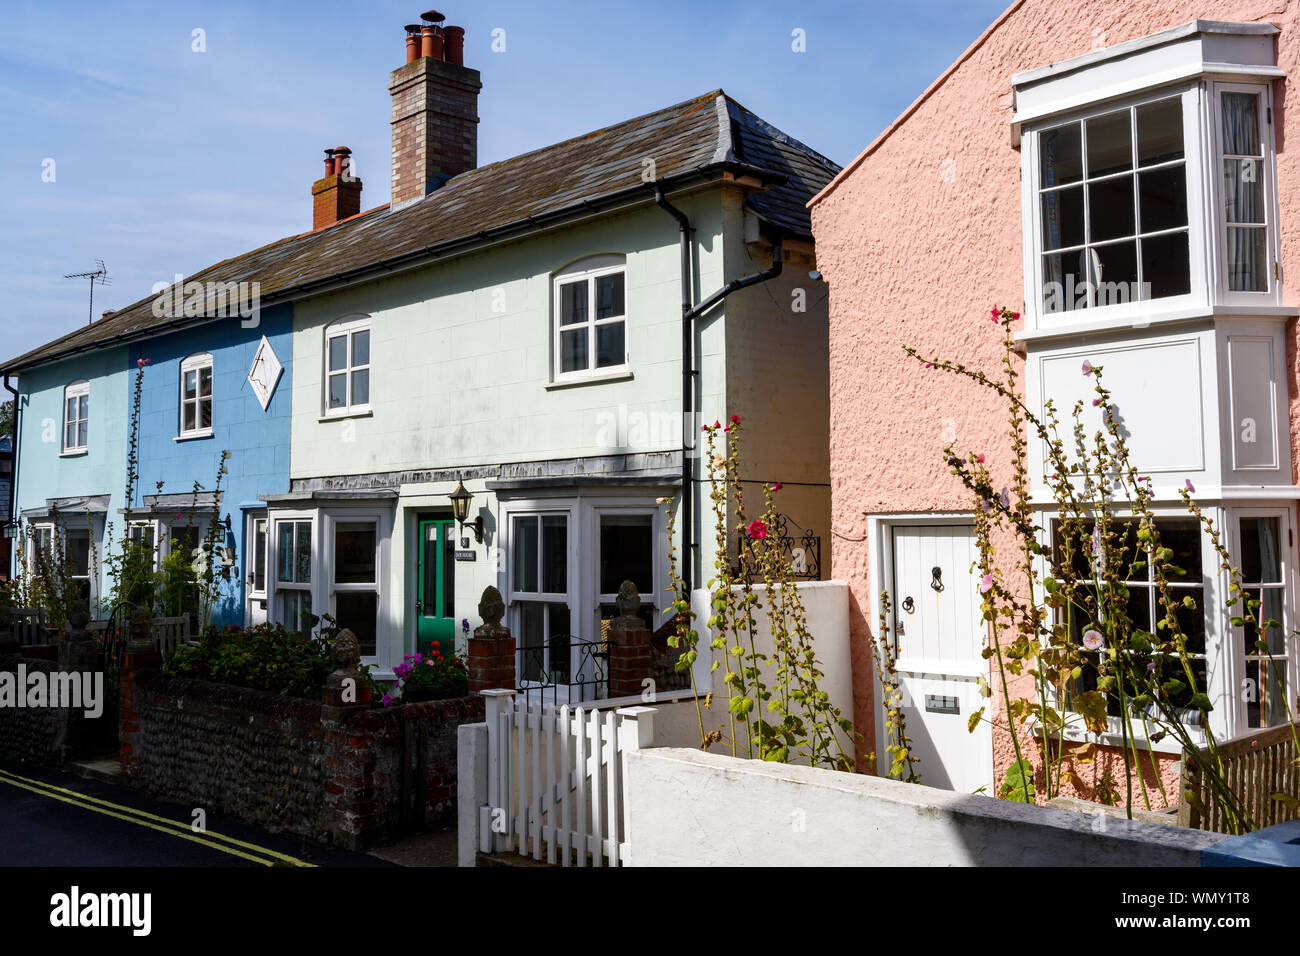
(1096, 403)
(986, 584)
(1190, 487)
(1151, 667)
(980, 459)
(1005, 498)
(178, 516)
(777, 486)
(704, 428)
(1015, 316)
(995, 313)
(735, 419)
(717, 424)
(662, 501)
(158, 485)
(1092, 640)
(757, 530)
(1087, 367)
(929, 365)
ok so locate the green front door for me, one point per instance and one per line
(435, 605)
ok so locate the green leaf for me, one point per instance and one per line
(974, 720)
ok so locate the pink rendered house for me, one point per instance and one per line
(1119, 174)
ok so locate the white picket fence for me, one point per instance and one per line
(555, 779)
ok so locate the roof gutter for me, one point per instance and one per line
(441, 250)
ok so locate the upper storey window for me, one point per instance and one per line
(1113, 204)
(1148, 176)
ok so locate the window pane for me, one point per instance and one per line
(525, 546)
(1162, 194)
(1166, 265)
(1261, 561)
(1243, 191)
(573, 351)
(205, 413)
(609, 296)
(555, 554)
(626, 552)
(338, 390)
(205, 381)
(429, 561)
(1160, 131)
(302, 552)
(354, 552)
(361, 387)
(191, 385)
(70, 435)
(285, 570)
(1191, 620)
(338, 349)
(1061, 158)
(78, 553)
(1139, 608)
(357, 611)
(84, 408)
(70, 414)
(610, 348)
(1110, 208)
(532, 641)
(1247, 257)
(1114, 263)
(187, 416)
(449, 572)
(573, 302)
(1063, 218)
(1183, 537)
(81, 434)
(1110, 144)
(259, 556)
(361, 348)
(1241, 124)
(561, 642)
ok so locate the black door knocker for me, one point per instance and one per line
(936, 575)
(908, 606)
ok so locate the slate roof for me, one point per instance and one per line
(599, 170)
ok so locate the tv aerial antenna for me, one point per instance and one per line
(99, 276)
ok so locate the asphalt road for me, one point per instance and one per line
(57, 819)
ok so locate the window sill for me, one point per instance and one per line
(622, 374)
(1048, 328)
(337, 416)
(191, 436)
(75, 453)
(1114, 737)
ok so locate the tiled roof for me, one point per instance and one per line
(581, 175)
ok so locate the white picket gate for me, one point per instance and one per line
(555, 779)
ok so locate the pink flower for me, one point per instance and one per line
(1190, 487)
(1096, 402)
(995, 313)
(1151, 666)
(1015, 316)
(178, 516)
(717, 424)
(777, 486)
(735, 419)
(980, 459)
(704, 428)
(158, 485)
(929, 365)
(1087, 367)
(757, 530)
(986, 584)
(1092, 640)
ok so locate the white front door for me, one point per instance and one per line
(939, 635)
(255, 546)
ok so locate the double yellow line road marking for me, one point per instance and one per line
(210, 839)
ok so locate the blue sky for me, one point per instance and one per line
(167, 160)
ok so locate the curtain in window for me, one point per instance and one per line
(1242, 193)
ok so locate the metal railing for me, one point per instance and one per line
(564, 670)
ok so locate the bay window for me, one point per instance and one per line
(1246, 173)
(1266, 645)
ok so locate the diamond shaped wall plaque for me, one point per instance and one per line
(265, 373)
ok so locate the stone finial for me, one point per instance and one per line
(78, 618)
(141, 629)
(346, 652)
(628, 603)
(491, 607)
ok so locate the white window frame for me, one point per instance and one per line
(652, 592)
(515, 599)
(151, 525)
(347, 328)
(1236, 670)
(328, 570)
(588, 271)
(1192, 97)
(275, 587)
(79, 390)
(1272, 295)
(250, 560)
(39, 530)
(196, 363)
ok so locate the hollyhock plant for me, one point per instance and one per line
(757, 530)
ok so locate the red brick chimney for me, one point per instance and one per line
(338, 194)
(435, 110)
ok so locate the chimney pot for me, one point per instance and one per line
(329, 162)
(412, 47)
(431, 42)
(455, 45)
